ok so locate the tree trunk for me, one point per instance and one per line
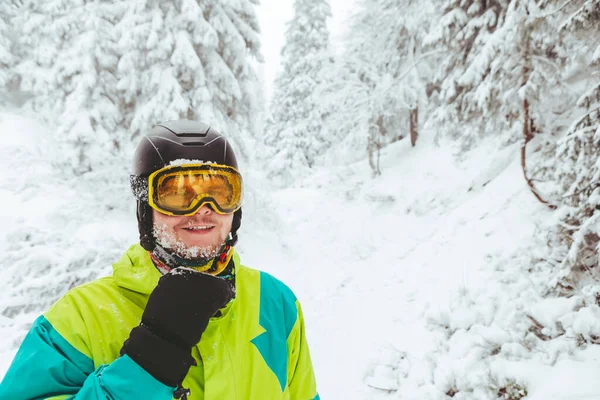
(382, 130)
(527, 122)
(374, 147)
(414, 125)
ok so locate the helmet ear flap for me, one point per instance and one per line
(144, 217)
(235, 225)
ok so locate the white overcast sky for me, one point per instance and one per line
(273, 15)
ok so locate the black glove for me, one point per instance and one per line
(175, 317)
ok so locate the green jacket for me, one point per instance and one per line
(256, 349)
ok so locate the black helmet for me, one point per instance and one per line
(168, 142)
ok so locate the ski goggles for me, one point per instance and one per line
(184, 189)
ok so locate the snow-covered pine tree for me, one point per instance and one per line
(504, 62)
(350, 89)
(295, 129)
(469, 82)
(190, 59)
(577, 162)
(584, 22)
(67, 63)
(403, 24)
(7, 37)
(373, 94)
(462, 30)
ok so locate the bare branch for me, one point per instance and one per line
(418, 60)
(559, 9)
(544, 60)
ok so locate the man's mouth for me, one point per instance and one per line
(199, 228)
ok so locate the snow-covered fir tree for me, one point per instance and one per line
(462, 31)
(502, 62)
(350, 90)
(189, 59)
(577, 165)
(295, 129)
(584, 23)
(102, 72)
(67, 64)
(7, 36)
(401, 28)
(373, 94)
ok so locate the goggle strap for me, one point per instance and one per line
(139, 187)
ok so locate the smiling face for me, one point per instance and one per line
(199, 236)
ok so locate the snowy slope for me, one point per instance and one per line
(414, 284)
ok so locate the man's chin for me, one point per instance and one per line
(199, 252)
(204, 246)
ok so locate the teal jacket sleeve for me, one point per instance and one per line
(48, 367)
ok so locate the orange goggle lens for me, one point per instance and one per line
(182, 190)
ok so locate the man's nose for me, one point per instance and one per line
(206, 209)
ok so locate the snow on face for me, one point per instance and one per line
(168, 239)
(199, 236)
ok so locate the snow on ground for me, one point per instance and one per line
(373, 259)
(414, 284)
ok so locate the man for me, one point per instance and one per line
(180, 317)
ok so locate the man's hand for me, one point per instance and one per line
(173, 321)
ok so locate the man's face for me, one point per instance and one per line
(199, 236)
